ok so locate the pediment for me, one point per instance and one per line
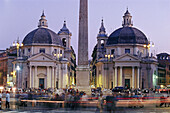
(127, 57)
(41, 57)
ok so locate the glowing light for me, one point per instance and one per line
(18, 68)
(1, 87)
(162, 86)
(14, 89)
(105, 55)
(144, 45)
(108, 56)
(13, 44)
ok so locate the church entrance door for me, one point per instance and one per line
(127, 83)
(41, 83)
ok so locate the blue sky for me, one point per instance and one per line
(152, 17)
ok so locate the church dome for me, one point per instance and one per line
(42, 36)
(127, 35)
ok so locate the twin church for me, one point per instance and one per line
(47, 59)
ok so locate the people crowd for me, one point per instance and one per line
(106, 99)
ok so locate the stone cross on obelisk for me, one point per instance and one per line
(82, 76)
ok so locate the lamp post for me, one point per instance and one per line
(148, 46)
(18, 45)
(109, 57)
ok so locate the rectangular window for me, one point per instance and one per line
(127, 50)
(55, 51)
(23, 51)
(113, 51)
(29, 49)
(60, 51)
(42, 50)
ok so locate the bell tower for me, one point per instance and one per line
(101, 41)
(43, 22)
(127, 19)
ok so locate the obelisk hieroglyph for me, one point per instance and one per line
(82, 76)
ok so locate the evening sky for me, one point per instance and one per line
(19, 17)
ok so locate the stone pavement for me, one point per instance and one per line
(119, 110)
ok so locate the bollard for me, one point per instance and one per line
(63, 104)
(33, 103)
(0, 103)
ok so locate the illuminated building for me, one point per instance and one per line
(123, 58)
(45, 58)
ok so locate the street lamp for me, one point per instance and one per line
(58, 55)
(109, 57)
(18, 68)
(149, 45)
(18, 45)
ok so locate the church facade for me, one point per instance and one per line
(122, 59)
(46, 59)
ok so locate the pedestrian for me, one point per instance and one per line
(0, 100)
(162, 101)
(7, 100)
(111, 103)
(100, 102)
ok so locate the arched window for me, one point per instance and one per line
(102, 43)
(64, 42)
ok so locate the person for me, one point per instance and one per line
(100, 103)
(7, 100)
(84, 100)
(162, 101)
(0, 100)
(111, 103)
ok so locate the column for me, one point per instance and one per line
(33, 75)
(133, 77)
(102, 74)
(138, 74)
(55, 74)
(59, 75)
(115, 76)
(52, 78)
(30, 76)
(97, 77)
(36, 79)
(120, 76)
(48, 77)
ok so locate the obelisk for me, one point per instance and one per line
(82, 70)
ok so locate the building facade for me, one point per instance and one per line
(123, 59)
(6, 67)
(45, 59)
(163, 78)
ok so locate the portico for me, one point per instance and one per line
(44, 73)
(127, 74)
(127, 71)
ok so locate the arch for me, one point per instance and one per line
(64, 42)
